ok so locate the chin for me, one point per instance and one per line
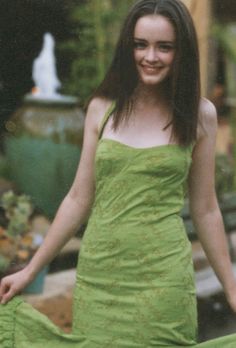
(152, 82)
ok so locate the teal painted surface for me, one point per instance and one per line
(37, 285)
(42, 169)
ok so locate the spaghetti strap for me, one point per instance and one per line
(105, 119)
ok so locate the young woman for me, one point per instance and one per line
(147, 133)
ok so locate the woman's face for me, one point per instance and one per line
(154, 48)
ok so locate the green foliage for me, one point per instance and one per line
(17, 210)
(4, 263)
(95, 28)
(18, 242)
(224, 175)
(225, 35)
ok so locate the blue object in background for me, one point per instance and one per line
(37, 285)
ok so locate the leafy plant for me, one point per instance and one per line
(224, 175)
(17, 211)
(17, 241)
(95, 26)
(4, 263)
(225, 36)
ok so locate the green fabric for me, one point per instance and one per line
(135, 283)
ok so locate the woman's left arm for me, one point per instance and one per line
(204, 207)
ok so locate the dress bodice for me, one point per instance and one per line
(148, 182)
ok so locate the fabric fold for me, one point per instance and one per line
(7, 322)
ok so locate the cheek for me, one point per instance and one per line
(171, 58)
(136, 56)
(168, 59)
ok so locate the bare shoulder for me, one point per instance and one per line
(207, 110)
(207, 117)
(96, 111)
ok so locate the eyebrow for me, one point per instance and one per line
(161, 41)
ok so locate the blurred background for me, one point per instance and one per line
(85, 33)
(53, 54)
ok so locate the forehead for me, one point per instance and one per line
(154, 28)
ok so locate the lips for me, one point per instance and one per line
(150, 69)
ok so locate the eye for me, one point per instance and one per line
(166, 47)
(139, 45)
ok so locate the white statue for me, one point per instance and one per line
(44, 70)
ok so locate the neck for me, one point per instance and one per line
(150, 95)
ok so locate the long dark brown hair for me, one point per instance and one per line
(184, 83)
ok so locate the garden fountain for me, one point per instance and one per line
(44, 70)
(45, 136)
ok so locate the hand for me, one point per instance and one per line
(13, 284)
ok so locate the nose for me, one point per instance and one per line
(151, 55)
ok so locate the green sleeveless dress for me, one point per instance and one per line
(135, 281)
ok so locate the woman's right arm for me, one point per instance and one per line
(73, 211)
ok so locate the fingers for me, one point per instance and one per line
(7, 296)
(2, 288)
(6, 292)
(11, 285)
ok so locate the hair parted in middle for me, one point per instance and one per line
(182, 87)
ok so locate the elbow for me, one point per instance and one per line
(82, 201)
(205, 207)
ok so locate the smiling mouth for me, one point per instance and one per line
(150, 69)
